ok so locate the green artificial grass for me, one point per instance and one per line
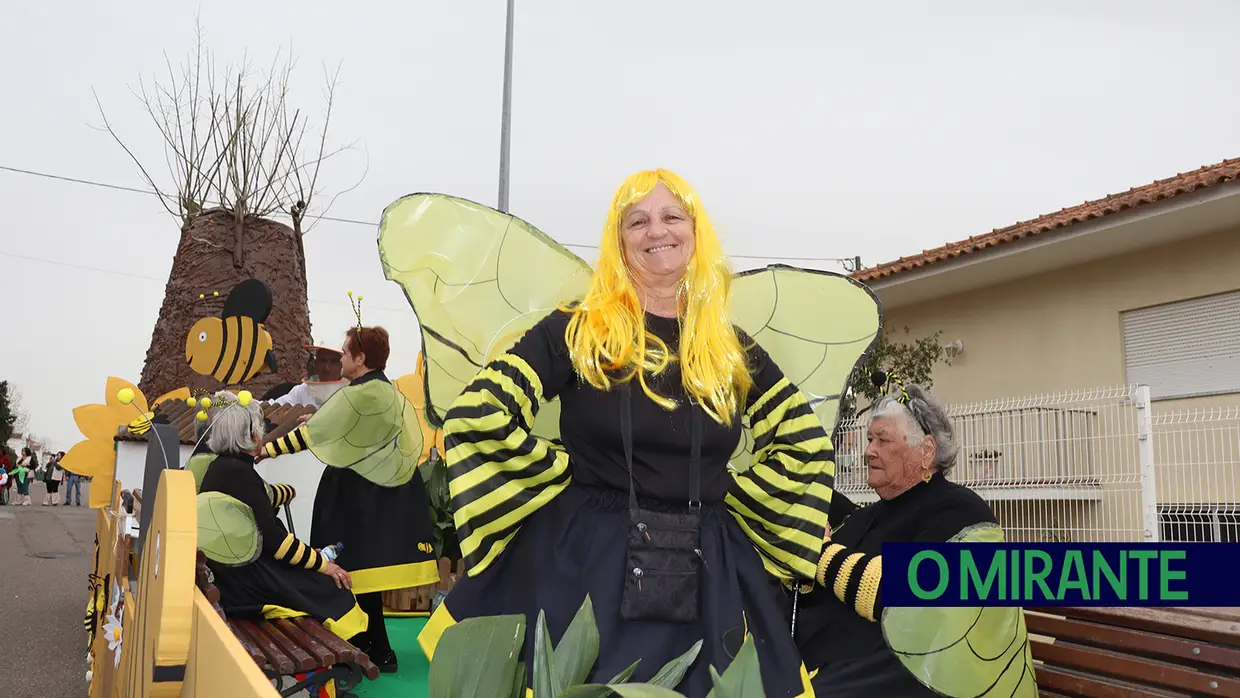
(411, 680)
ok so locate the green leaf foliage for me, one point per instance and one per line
(479, 658)
(913, 361)
(578, 649)
(742, 679)
(545, 681)
(674, 671)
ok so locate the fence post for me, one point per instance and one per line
(1145, 455)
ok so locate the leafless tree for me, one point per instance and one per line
(232, 140)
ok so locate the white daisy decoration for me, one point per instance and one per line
(112, 632)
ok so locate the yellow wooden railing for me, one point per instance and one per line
(172, 642)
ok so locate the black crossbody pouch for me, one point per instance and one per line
(664, 562)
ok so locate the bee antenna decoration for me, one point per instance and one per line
(357, 310)
(903, 399)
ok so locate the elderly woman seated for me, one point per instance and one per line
(288, 578)
(840, 626)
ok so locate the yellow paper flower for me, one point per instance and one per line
(413, 387)
(99, 423)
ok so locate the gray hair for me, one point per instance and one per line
(921, 416)
(232, 426)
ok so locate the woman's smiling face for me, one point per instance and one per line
(658, 239)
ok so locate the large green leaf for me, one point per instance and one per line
(545, 680)
(578, 649)
(624, 690)
(478, 658)
(742, 679)
(624, 676)
(674, 671)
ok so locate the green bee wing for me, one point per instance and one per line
(477, 279)
(197, 465)
(815, 325)
(227, 532)
(965, 652)
(369, 428)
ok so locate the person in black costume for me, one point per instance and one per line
(840, 627)
(289, 577)
(386, 530)
(545, 523)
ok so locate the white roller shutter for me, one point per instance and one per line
(1186, 348)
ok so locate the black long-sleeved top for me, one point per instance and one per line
(837, 628)
(234, 475)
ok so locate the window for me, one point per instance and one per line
(1185, 349)
(1199, 523)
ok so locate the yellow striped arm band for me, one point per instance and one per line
(281, 494)
(498, 473)
(782, 500)
(854, 577)
(298, 554)
(292, 442)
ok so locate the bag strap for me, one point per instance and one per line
(695, 452)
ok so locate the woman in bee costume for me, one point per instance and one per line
(592, 456)
(260, 567)
(860, 649)
(371, 497)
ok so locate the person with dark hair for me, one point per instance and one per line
(370, 498)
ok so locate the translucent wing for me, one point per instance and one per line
(815, 325)
(477, 279)
(963, 652)
(369, 428)
(227, 533)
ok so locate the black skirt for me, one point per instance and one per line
(386, 531)
(270, 589)
(576, 545)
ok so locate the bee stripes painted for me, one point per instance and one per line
(234, 347)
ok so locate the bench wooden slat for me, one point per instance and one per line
(323, 656)
(276, 658)
(255, 653)
(301, 658)
(1059, 681)
(1166, 621)
(1140, 669)
(344, 651)
(1097, 634)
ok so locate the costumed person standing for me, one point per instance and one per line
(370, 498)
(860, 649)
(636, 505)
(283, 576)
(323, 380)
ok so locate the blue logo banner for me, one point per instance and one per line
(1061, 574)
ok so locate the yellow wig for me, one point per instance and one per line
(607, 332)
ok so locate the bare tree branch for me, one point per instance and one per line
(233, 139)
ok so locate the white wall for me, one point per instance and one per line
(302, 471)
(131, 464)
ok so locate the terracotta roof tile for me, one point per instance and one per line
(283, 417)
(1185, 183)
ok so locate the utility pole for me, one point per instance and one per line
(505, 133)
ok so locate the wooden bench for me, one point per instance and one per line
(289, 647)
(1135, 652)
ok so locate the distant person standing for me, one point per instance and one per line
(53, 475)
(22, 476)
(73, 490)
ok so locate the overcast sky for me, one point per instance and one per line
(811, 129)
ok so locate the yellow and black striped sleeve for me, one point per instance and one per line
(499, 473)
(297, 554)
(292, 442)
(281, 494)
(853, 577)
(782, 500)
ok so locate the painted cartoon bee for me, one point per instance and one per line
(234, 347)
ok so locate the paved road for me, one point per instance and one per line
(45, 557)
